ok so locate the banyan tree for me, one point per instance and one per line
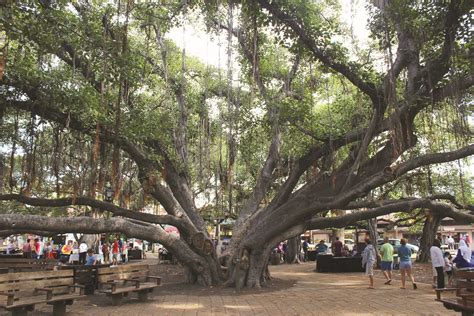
(297, 126)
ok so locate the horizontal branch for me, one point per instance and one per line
(88, 225)
(82, 224)
(105, 206)
(435, 158)
(401, 206)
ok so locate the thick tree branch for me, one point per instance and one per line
(430, 159)
(105, 206)
(85, 225)
(401, 206)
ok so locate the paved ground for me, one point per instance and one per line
(298, 291)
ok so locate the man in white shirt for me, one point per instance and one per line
(450, 241)
(82, 252)
(437, 260)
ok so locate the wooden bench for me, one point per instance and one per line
(26, 264)
(118, 281)
(20, 292)
(85, 275)
(464, 300)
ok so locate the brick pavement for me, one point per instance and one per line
(310, 294)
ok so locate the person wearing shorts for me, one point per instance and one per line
(369, 258)
(386, 264)
(404, 253)
(115, 252)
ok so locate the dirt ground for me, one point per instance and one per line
(293, 290)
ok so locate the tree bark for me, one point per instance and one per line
(430, 229)
(293, 250)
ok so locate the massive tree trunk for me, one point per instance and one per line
(430, 228)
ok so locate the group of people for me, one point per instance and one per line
(338, 248)
(34, 248)
(442, 262)
(118, 249)
(369, 260)
(86, 254)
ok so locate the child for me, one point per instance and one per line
(90, 259)
(448, 267)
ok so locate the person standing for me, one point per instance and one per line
(450, 241)
(10, 247)
(120, 245)
(106, 252)
(305, 249)
(38, 250)
(33, 249)
(27, 249)
(404, 253)
(115, 252)
(386, 264)
(448, 267)
(369, 258)
(48, 251)
(124, 253)
(337, 247)
(437, 260)
(82, 252)
(66, 251)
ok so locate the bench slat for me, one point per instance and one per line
(455, 304)
(125, 268)
(460, 274)
(35, 275)
(130, 289)
(121, 275)
(29, 284)
(465, 284)
(25, 302)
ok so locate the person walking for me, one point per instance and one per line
(386, 264)
(369, 258)
(437, 260)
(82, 252)
(404, 253)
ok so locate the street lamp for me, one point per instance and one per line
(108, 192)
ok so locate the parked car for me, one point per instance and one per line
(396, 244)
(349, 243)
